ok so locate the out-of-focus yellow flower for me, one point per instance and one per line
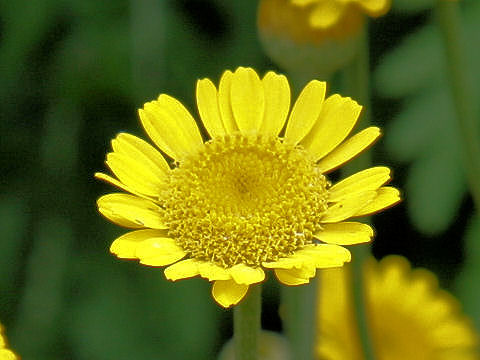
(328, 14)
(5, 353)
(314, 21)
(314, 37)
(246, 200)
(409, 316)
(283, 19)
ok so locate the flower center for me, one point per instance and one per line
(244, 200)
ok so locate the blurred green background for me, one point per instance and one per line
(72, 75)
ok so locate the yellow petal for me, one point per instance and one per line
(393, 271)
(213, 272)
(326, 13)
(348, 207)
(228, 292)
(159, 251)
(224, 102)
(142, 152)
(149, 123)
(368, 179)
(171, 126)
(126, 245)
(182, 270)
(207, 103)
(326, 255)
(135, 175)
(295, 276)
(375, 8)
(247, 99)
(277, 103)
(284, 263)
(349, 149)
(306, 111)
(130, 211)
(336, 120)
(386, 197)
(345, 233)
(6, 354)
(303, 2)
(115, 182)
(243, 274)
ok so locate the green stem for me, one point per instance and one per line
(360, 254)
(356, 84)
(449, 20)
(246, 325)
(299, 315)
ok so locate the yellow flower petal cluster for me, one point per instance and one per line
(5, 353)
(410, 317)
(315, 21)
(314, 37)
(255, 195)
(325, 14)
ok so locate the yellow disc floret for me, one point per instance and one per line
(244, 199)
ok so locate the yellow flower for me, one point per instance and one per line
(326, 14)
(314, 37)
(410, 317)
(5, 353)
(315, 21)
(245, 200)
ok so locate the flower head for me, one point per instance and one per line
(245, 200)
(327, 14)
(410, 317)
(314, 37)
(5, 353)
(315, 21)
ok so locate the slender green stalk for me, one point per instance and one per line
(299, 315)
(356, 84)
(359, 254)
(246, 325)
(449, 20)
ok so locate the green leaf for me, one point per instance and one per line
(417, 63)
(424, 133)
(425, 119)
(434, 191)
